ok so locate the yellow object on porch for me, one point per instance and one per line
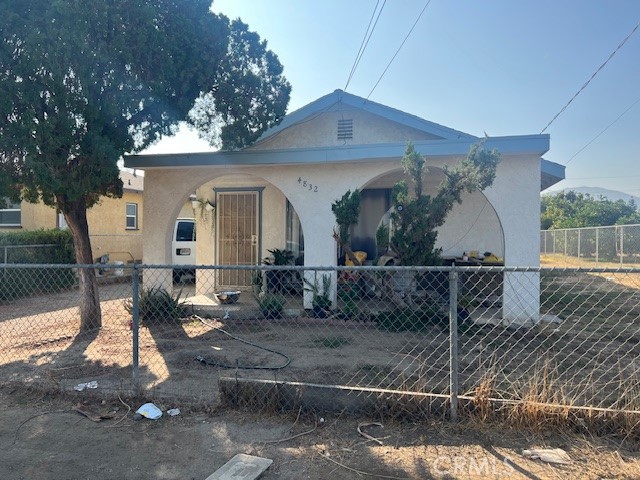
(360, 255)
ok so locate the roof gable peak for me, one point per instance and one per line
(332, 100)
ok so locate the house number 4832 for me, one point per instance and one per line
(307, 184)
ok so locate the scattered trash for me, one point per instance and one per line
(173, 412)
(81, 386)
(150, 411)
(366, 435)
(93, 416)
(549, 455)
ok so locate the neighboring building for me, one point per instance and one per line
(271, 193)
(115, 224)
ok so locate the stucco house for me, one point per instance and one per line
(277, 193)
(115, 224)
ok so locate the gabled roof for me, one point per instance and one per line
(328, 102)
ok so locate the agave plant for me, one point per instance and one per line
(157, 305)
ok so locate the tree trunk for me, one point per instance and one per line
(76, 216)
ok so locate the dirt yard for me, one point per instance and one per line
(582, 357)
(43, 437)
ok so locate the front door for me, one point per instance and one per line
(238, 235)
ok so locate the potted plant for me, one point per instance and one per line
(321, 302)
(271, 305)
(276, 279)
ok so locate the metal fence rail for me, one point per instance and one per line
(567, 337)
(616, 244)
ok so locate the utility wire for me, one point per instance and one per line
(602, 131)
(592, 76)
(399, 48)
(365, 41)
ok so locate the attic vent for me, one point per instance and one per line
(345, 129)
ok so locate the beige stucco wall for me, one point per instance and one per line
(108, 232)
(107, 225)
(322, 131)
(34, 216)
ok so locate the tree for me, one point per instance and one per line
(416, 216)
(573, 210)
(82, 83)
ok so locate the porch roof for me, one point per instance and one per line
(512, 145)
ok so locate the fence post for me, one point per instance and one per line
(597, 244)
(621, 245)
(135, 325)
(579, 239)
(453, 343)
(565, 242)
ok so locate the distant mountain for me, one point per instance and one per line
(597, 192)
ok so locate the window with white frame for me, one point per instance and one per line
(132, 216)
(10, 215)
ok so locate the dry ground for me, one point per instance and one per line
(590, 358)
(42, 437)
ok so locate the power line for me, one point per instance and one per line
(592, 76)
(602, 131)
(365, 41)
(399, 48)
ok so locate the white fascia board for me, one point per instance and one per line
(516, 145)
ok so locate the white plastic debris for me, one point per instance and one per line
(173, 412)
(548, 455)
(150, 411)
(81, 386)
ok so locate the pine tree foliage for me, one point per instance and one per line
(84, 82)
(416, 216)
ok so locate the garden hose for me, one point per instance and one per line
(204, 361)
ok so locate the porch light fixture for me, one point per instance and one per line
(200, 204)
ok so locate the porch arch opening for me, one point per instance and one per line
(239, 219)
(473, 225)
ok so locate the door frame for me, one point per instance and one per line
(257, 190)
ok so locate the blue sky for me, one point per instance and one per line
(503, 67)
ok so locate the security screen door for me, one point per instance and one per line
(237, 235)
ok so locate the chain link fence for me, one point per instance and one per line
(344, 337)
(612, 245)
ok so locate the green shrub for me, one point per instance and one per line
(271, 304)
(348, 295)
(22, 282)
(156, 305)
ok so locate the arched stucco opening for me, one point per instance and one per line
(250, 217)
(472, 225)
